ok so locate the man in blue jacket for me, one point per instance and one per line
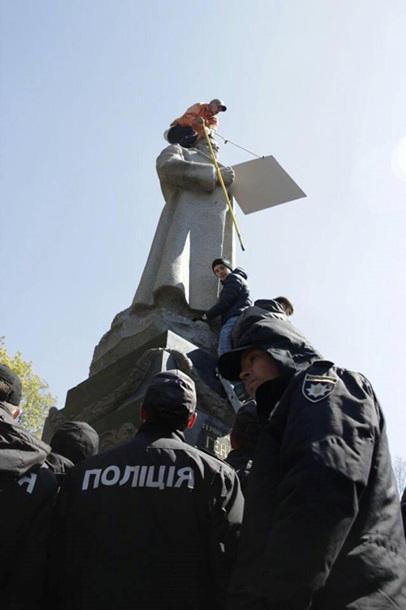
(234, 298)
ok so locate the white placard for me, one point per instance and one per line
(263, 183)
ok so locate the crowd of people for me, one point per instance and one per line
(303, 514)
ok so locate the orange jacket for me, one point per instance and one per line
(197, 111)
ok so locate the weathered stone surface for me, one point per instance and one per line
(177, 284)
(109, 400)
(162, 329)
(195, 228)
(132, 329)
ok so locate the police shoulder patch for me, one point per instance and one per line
(317, 387)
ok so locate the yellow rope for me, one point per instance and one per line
(221, 181)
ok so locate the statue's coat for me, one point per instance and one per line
(194, 229)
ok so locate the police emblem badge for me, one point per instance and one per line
(315, 387)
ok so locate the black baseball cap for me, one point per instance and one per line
(220, 103)
(10, 385)
(75, 440)
(170, 396)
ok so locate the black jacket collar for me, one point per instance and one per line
(269, 394)
(159, 431)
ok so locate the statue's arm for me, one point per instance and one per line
(176, 172)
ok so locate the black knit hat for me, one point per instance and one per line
(171, 397)
(10, 386)
(221, 261)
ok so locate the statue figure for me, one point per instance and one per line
(195, 227)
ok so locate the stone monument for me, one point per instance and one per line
(159, 330)
(194, 228)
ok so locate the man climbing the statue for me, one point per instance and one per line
(234, 298)
(188, 128)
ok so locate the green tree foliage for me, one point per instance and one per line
(37, 398)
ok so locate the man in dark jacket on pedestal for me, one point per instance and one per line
(322, 527)
(151, 524)
(234, 298)
(27, 491)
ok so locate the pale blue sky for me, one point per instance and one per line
(87, 89)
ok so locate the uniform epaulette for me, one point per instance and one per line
(213, 455)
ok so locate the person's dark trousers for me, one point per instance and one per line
(185, 136)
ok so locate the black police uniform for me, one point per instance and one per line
(241, 460)
(27, 491)
(246, 431)
(151, 524)
(322, 527)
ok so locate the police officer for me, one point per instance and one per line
(243, 439)
(152, 523)
(72, 442)
(27, 491)
(322, 526)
